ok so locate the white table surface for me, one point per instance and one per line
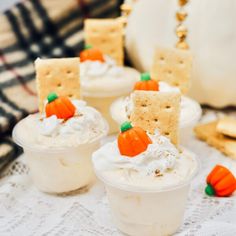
(26, 211)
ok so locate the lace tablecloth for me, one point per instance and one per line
(26, 211)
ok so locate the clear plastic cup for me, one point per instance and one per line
(190, 114)
(102, 104)
(138, 211)
(59, 170)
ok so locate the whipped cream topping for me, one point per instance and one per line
(50, 126)
(85, 120)
(86, 126)
(159, 157)
(106, 79)
(164, 87)
(97, 69)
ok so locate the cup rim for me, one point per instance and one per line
(130, 188)
(182, 125)
(38, 148)
(112, 93)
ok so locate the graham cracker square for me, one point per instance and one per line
(173, 66)
(157, 110)
(208, 133)
(227, 126)
(107, 35)
(57, 75)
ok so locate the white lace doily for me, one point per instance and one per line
(26, 211)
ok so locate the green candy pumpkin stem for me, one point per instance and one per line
(126, 126)
(209, 190)
(145, 77)
(51, 97)
(88, 46)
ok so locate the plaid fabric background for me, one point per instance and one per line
(31, 29)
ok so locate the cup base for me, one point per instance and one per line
(141, 229)
(154, 214)
(148, 211)
(80, 190)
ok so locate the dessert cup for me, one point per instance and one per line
(157, 211)
(189, 116)
(59, 170)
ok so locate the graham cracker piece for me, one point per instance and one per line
(173, 66)
(227, 126)
(208, 133)
(107, 35)
(160, 111)
(57, 75)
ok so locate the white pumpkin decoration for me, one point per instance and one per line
(211, 37)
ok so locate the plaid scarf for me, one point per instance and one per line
(31, 29)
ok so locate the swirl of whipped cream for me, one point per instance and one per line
(159, 157)
(49, 126)
(84, 120)
(95, 69)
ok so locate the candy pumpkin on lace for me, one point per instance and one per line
(91, 54)
(220, 182)
(132, 140)
(62, 107)
(146, 83)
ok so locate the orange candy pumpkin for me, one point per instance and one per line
(220, 182)
(146, 83)
(91, 54)
(132, 140)
(62, 107)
